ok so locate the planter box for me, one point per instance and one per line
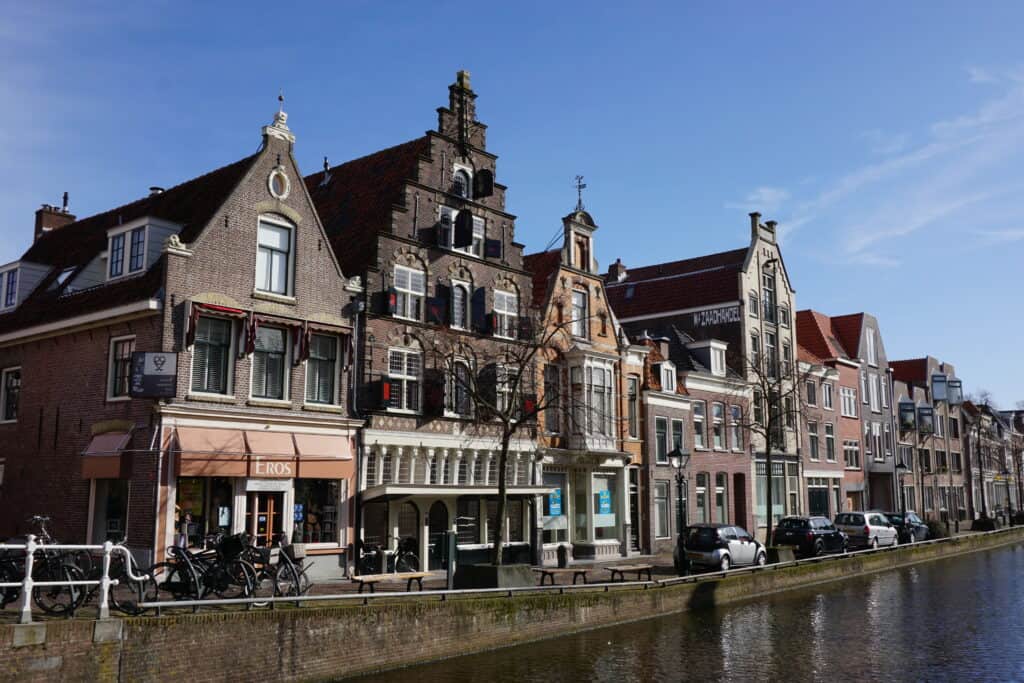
(780, 553)
(493, 576)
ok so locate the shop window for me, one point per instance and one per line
(580, 505)
(661, 514)
(190, 509)
(492, 521)
(211, 356)
(605, 499)
(321, 368)
(269, 370)
(467, 522)
(315, 511)
(556, 518)
(375, 523)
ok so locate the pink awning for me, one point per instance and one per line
(324, 446)
(200, 440)
(270, 443)
(111, 443)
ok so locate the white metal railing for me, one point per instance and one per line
(27, 584)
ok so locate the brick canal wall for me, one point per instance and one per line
(326, 643)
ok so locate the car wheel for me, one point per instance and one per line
(895, 541)
(762, 559)
(819, 549)
(725, 565)
(874, 543)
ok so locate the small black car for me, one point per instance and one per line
(909, 528)
(811, 536)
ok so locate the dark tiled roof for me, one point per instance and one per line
(356, 201)
(657, 289)
(914, 370)
(848, 328)
(541, 266)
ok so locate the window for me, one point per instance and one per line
(720, 502)
(446, 233)
(864, 386)
(940, 461)
(755, 349)
(506, 380)
(954, 428)
(467, 521)
(404, 370)
(137, 250)
(771, 354)
(702, 497)
(830, 442)
(812, 436)
(851, 454)
(925, 456)
(9, 286)
(514, 518)
(632, 405)
(848, 396)
(581, 252)
(887, 431)
(273, 258)
(885, 392)
(940, 425)
(812, 393)
(758, 407)
(876, 441)
(956, 462)
(211, 356)
(460, 306)
(698, 424)
(736, 416)
(718, 425)
(457, 396)
(316, 511)
(768, 285)
(476, 247)
(599, 399)
(461, 184)
(321, 368)
(579, 313)
(552, 398)
(661, 440)
(661, 516)
(678, 435)
(872, 353)
(787, 359)
(718, 361)
(668, 377)
(506, 311)
(269, 369)
(10, 383)
(875, 408)
(906, 456)
(787, 403)
(556, 522)
(826, 395)
(784, 316)
(119, 367)
(910, 501)
(753, 304)
(410, 287)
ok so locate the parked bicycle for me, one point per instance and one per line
(280, 570)
(48, 566)
(374, 560)
(220, 571)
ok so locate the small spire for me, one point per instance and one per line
(327, 166)
(580, 186)
(280, 101)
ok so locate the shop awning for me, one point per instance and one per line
(103, 458)
(210, 452)
(323, 446)
(269, 444)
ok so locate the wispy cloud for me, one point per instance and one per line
(978, 74)
(991, 237)
(761, 199)
(885, 144)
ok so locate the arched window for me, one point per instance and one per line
(461, 184)
(460, 307)
(458, 391)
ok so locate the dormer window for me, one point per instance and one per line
(274, 257)
(126, 252)
(8, 288)
(718, 361)
(667, 374)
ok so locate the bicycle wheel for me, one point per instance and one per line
(58, 600)
(231, 579)
(264, 586)
(407, 562)
(287, 581)
(9, 574)
(171, 581)
(127, 595)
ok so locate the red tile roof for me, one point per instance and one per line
(807, 356)
(652, 290)
(913, 370)
(817, 333)
(848, 329)
(356, 201)
(541, 266)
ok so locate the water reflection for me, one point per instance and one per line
(957, 619)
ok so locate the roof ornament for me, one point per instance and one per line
(580, 186)
(327, 173)
(279, 128)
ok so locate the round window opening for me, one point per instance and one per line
(279, 184)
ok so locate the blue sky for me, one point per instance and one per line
(887, 143)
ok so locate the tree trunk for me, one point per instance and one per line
(499, 533)
(768, 489)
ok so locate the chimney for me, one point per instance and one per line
(50, 218)
(662, 343)
(755, 222)
(771, 226)
(155, 190)
(616, 271)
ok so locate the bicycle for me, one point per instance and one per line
(128, 594)
(285, 578)
(193, 576)
(405, 558)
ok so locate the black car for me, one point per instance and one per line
(810, 536)
(909, 527)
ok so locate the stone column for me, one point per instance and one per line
(428, 466)
(396, 466)
(382, 453)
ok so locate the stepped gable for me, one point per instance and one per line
(677, 285)
(355, 199)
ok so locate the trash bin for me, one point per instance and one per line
(563, 556)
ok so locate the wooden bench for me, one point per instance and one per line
(622, 569)
(372, 580)
(552, 572)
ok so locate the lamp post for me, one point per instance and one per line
(679, 459)
(901, 469)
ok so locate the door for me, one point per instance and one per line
(264, 517)
(437, 522)
(739, 498)
(634, 511)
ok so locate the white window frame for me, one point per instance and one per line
(126, 252)
(229, 383)
(700, 436)
(405, 377)
(811, 388)
(719, 439)
(873, 391)
(872, 351)
(468, 173)
(276, 222)
(507, 321)
(830, 442)
(579, 321)
(286, 378)
(4, 294)
(407, 294)
(735, 428)
(660, 488)
(754, 304)
(450, 403)
(3, 393)
(826, 396)
(335, 399)
(717, 361)
(114, 341)
(668, 377)
(848, 396)
(446, 238)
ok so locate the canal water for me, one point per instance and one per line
(960, 619)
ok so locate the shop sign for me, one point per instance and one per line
(154, 375)
(604, 502)
(555, 503)
(299, 516)
(717, 316)
(268, 485)
(273, 468)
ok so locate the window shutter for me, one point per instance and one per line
(385, 393)
(391, 302)
(492, 248)
(437, 306)
(428, 235)
(525, 327)
(463, 230)
(433, 393)
(487, 382)
(483, 183)
(479, 309)
(492, 323)
(529, 407)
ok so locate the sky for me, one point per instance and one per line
(886, 139)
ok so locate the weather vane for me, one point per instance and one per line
(580, 185)
(280, 101)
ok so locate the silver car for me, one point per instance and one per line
(722, 546)
(867, 529)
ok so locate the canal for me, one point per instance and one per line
(958, 620)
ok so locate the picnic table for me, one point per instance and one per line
(372, 580)
(552, 572)
(622, 569)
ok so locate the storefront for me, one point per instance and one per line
(107, 466)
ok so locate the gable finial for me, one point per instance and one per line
(280, 100)
(580, 186)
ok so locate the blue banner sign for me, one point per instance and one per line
(555, 503)
(604, 502)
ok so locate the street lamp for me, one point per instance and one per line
(901, 469)
(679, 459)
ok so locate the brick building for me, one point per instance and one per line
(424, 225)
(992, 467)
(252, 433)
(745, 299)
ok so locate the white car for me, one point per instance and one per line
(722, 546)
(867, 529)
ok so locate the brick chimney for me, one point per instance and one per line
(51, 217)
(616, 271)
(755, 223)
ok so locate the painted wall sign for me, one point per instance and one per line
(717, 316)
(154, 375)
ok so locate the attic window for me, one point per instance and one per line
(630, 289)
(64, 275)
(461, 184)
(126, 252)
(668, 376)
(9, 288)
